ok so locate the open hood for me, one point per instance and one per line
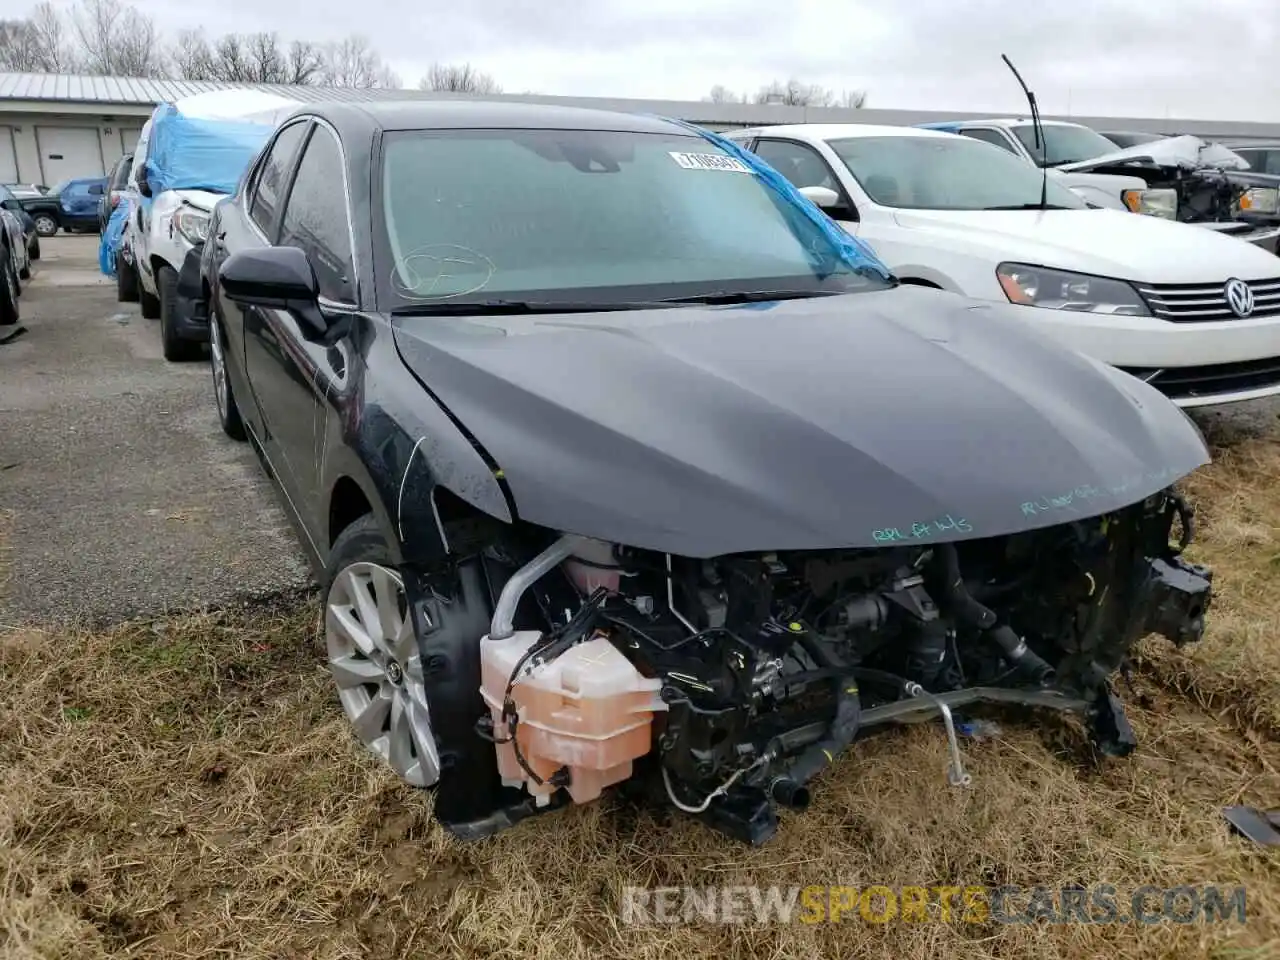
(863, 420)
(1186, 153)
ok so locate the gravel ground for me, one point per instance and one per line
(119, 494)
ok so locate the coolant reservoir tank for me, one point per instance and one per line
(589, 710)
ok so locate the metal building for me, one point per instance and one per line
(53, 127)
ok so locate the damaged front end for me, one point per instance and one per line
(1211, 184)
(723, 686)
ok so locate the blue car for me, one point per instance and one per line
(78, 202)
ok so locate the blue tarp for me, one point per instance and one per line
(191, 154)
(848, 247)
(109, 245)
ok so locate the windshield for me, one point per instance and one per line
(604, 217)
(946, 173)
(58, 187)
(1064, 144)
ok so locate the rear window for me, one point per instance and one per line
(120, 172)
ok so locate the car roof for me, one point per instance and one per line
(834, 131)
(463, 114)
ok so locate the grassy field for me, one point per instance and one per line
(186, 788)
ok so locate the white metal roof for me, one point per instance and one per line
(135, 91)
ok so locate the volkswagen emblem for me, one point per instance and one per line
(1239, 297)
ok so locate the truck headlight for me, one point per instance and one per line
(1034, 286)
(193, 224)
(1162, 202)
(1264, 200)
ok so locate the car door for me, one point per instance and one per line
(251, 222)
(288, 372)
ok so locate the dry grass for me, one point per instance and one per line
(185, 788)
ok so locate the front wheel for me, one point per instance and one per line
(373, 654)
(46, 225)
(35, 249)
(176, 349)
(228, 412)
(126, 281)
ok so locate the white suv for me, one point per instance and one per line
(1193, 312)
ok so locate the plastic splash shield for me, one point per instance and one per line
(113, 236)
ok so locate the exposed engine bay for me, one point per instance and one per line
(726, 685)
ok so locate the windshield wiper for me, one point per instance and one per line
(510, 307)
(1028, 206)
(752, 296)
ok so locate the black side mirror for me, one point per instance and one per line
(279, 278)
(144, 187)
(13, 205)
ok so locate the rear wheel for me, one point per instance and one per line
(8, 292)
(35, 249)
(24, 271)
(373, 654)
(126, 281)
(176, 349)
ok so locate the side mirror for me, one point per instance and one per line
(279, 278)
(13, 205)
(144, 187)
(824, 197)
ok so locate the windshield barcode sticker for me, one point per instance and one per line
(709, 161)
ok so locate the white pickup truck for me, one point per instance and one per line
(173, 187)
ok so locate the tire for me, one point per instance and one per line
(384, 681)
(8, 292)
(223, 397)
(46, 224)
(150, 305)
(35, 249)
(176, 349)
(126, 281)
(25, 270)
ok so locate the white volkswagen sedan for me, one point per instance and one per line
(1194, 313)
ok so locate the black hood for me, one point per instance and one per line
(862, 420)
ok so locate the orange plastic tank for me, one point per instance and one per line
(589, 710)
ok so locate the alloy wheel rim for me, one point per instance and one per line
(373, 657)
(45, 225)
(219, 369)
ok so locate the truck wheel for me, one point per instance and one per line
(46, 225)
(126, 281)
(8, 291)
(176, 349)
(150, 304)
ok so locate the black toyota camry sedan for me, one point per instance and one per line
(626, 468)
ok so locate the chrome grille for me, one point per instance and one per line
(1205, 302)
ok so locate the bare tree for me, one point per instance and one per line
(458, 78)
(722, 94)
(116, 39)
(37, 44)
(793, 93)
(853, 99)
(353, 63)
(303, 63)
(191, 57)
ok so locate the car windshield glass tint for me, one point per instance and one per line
(946, 173)
(1065, 144)
(556, 215)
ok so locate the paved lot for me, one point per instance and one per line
(119, 493)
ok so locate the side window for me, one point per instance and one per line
(95, 190)
(804, 167)
(271, 177)
(315, 217)
(989, 136)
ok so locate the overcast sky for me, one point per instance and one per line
(1180, 58)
